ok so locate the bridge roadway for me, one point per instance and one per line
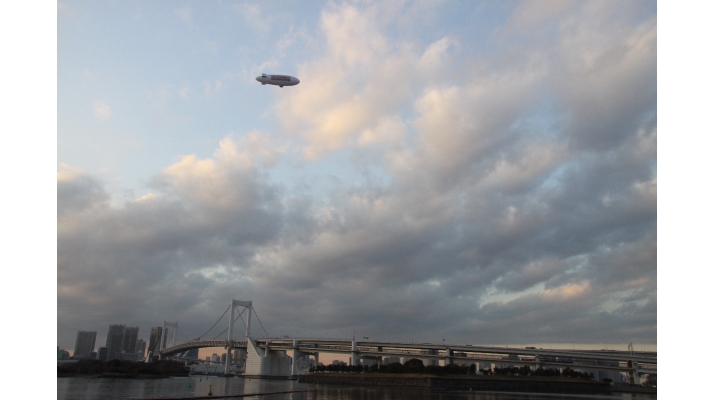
(604, 360)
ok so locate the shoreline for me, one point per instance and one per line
(475, 383)
(119, 376)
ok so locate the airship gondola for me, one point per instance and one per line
(278, 80)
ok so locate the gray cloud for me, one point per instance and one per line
(517, 206)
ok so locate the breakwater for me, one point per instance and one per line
(475, 383)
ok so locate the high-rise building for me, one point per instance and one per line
(84, 345)
(140, 347)
(131, 334)
(115, 342)
(155, 340)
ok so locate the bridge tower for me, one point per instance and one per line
(234, 304)
(633, 377)
(165, 336)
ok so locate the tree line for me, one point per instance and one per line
(416, 366)
(122, 367)
(527, 371)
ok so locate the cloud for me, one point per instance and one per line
(483, 201)
(113, 260)
(101, 110)
(361, 79)
(253, 17)
(77, 192)
(215, 87)
(534, 14)
(211, 89)
(184, 92)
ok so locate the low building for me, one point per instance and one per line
(62, 354)
(131, 356)
(102, 353)
(390, 360)
(366, 362)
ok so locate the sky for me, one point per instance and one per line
(478, 172)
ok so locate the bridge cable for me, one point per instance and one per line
(259, 321)
(221, 333)
(224, 331)
(182, 332)
(234, 320)
(219, 320)
(244, 322)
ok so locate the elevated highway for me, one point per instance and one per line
(601, 360)
(269, 356)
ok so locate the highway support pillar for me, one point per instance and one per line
(296, 355)
(354, 355)
(448, 356)
(633, 377)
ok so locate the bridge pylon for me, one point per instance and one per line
(165, 335)
(234, 304)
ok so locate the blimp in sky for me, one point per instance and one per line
(280, 80)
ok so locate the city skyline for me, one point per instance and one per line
(85, 338)
(477, 172)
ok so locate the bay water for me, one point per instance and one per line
(90, 388)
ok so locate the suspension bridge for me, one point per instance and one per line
(278, 357)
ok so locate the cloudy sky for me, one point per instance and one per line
(476, 172)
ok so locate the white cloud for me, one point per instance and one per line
(361, 80)
(101, 110)
(147, 197)
(434, 55)
(353, 36)
(256, 149)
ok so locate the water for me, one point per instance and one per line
(105, 388)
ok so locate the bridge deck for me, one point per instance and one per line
(551, 358)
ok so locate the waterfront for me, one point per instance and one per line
(109, 388)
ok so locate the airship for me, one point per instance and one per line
(280, 80)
